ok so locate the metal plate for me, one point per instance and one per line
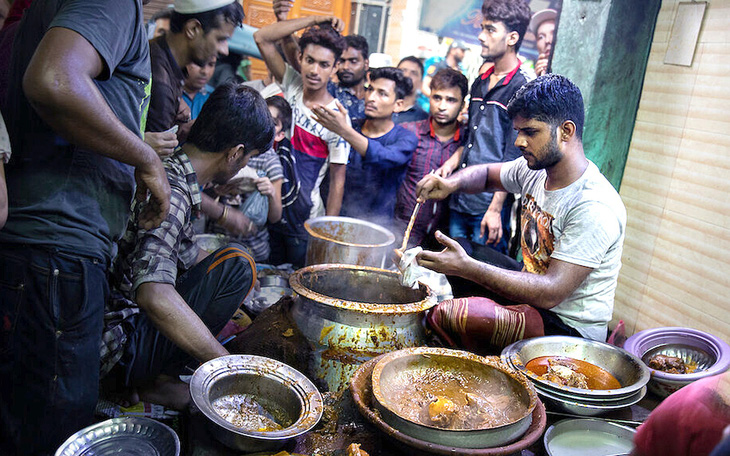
(130, 436)
(588, 437)
(578, 407)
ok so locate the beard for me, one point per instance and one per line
(550, 153)
(446, 123)
(348, 80)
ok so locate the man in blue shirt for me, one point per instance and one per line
(380, 149)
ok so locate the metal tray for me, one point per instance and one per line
(130, 436)
(588, 437)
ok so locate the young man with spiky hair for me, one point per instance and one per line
(316, 150)
(573, 226)
(491, 137)
(381, 149)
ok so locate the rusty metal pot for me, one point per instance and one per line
(345, 240)
(350, 314)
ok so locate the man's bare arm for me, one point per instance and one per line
(169, 312)
(266, 38)
(59, 84)
(337, 188)
(472, 179)
(544, 291)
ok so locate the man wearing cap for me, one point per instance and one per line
(543, 26)
(478, 217)
(78, 87)
(453, 59)
(199, 31)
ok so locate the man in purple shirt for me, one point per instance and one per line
(439, 137)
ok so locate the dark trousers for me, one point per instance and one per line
(214, 289)
(287, 249)
(51, 318)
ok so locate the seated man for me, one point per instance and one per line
(381, 150)
(185, 295)
(439, 137)
(573, 224)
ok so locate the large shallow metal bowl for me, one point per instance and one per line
(350, 314)
(711, 355)
(416, 375)
(279, 388)
(129, 435)
(211, 242)
(585, 407)
(346, 240)
(628, 369)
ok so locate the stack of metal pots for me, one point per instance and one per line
(628, 369)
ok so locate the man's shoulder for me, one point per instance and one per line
(417, 127)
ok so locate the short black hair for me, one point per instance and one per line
(416, 60)
(164, 13)
(403, 85)
(552, 99)
(233, 114)
(231, 13)
(327, 37)
(285, 111)
(360, 43)
(514, 14)
(447, 78)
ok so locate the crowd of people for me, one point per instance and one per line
(119, 150)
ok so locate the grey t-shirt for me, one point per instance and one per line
(583, 224)
(60, 195)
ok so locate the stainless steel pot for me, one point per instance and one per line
(345, 240)
(350, 314)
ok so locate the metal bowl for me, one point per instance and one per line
(628, 369)
(129, 435)
(412, 376)
(586, 436)
(280, 389)
(583, 407)
(710, 353)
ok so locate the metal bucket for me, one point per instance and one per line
(350, 314)
(345, 240)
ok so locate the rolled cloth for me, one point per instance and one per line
(476, 323)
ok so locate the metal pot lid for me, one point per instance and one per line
(130, 436)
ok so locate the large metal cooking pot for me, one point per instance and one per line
(350, 314)
(345, 240)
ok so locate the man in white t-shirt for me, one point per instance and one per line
(315, 150)
(573, 223)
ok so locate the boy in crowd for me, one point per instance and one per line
(196, 89)
(317, 151)
(439, 137)
(381, 150)
(412, 68)
(170, 297)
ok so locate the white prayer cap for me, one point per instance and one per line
(199, 6)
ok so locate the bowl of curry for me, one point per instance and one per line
(452, 398)
(576, 368)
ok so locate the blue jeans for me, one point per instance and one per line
(51, 314)
(467, 226)
(287, 249)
